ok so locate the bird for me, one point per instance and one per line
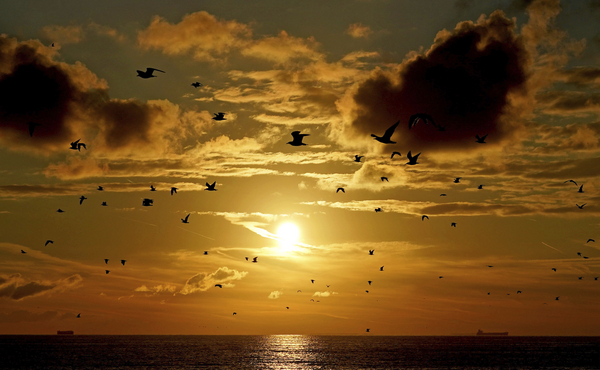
(59, 210)
(556, 299)
(591, 240)
(342, 189)
(386, 138)
(211, 187)
(457, 180)
(106, 261)
(368, 330)
(219, 116)
(288, 308)
(441, 277)
(579, 254)
(518, 292)
(580, 189)
(32, 126)
(76, 145)
(104, 204)
(197, 84)
(596, 278)
(358, 157)
(480, 187)
(79, 314)
(412, 160)
(235, 313)
(378, 209)
(453, 224)
(152, 188)
(585, 257)
(381, 268)
(573, 181)
(23, 252)
(367, 291)
(255, 259)
(147, 202)
(218, 286)
(149, 73)
(48, 242)
(480, 140)
(100, 188)
(81, 199)
(371, 252)
(52, 44)
(580, 206)
(553, 269)
(442, 195)
(205, 253)
(580, 277)
(490, 266)
(185, 220)
(299, 291)
(328, 286)
(383, 178)
(424, 217)
(123, 262)
(107, 271)
(369, 282)
(297, 139)
(312, 281)
(394, 153)
(246, 258)
(174, 190)
(415, 118)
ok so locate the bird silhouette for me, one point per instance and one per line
(457, 180)
(299, 291)
(174, 190)
(79, 315)
(580, 277)
(104, 204)
(553, 269)
(123, 262)
(185, 220)
(106, 261)
(219, 116)
(287, 308)
(424, 217)
(557, 298)
(246, 258)
(591, 240)
(453, 224)
(197, 84)
(312, 281)
(416, 118)
(59, 210)
(383, 178)
(585, 257)
(100, 188)
(596, 278)
(412, 160)
(149, 73)
(358, 157)
(211, 187)
(235, 313)
(518, 292)
(31, 126)
(205, 253)
(23, 252)
(480, 140)
(381, 268)
(580, 189)
(580, 206)
(255, 259)
(386, 138)
(369, 282)
(573, 181)
(81, 199)
(394, 153)
(441, 277)
(52, 44)
(48, 242)
(367, 291)
(378, 209)
(442, 195)
(152, 188)
(297, 139)
(107, 271)
(218, 286)
(342, 189)
(76, 145)
(147, 202)
(371, 251)
(490, 266)
(579, 253)
(480, 187)
(368, 330)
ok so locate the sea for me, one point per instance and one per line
(296, 352)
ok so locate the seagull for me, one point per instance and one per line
(580, 206)
(579, 254)
(369, 282)
(205, 253)
(147, 202)
(219, 116)
(288, 308)
(457, 180)
(371, 252)
(571, 181)
(23, 252)
(152, 188)
(384, 178)
(490, 266)
(149, 73)
(441, 277)
(368, 330)
(299, 291)
(442, 195)
(553, 269)
(424, 217)
(197, 84)
(596, 278)
(412, 160)
(123, 262)
(59, 210)
(79, 314)
(367, 291)
(415, 118)
(104, 204)
(185, 220)
(246, 258)
(580, 278)
(556, 299)
(32, 126)
(480, 187)
(453, 224)
(358, 157)
(387, 135)
(106, 261)
(218, 286)
(174, 190)
(235, 313)
(342, 189)
(312, 281)
(52, 44)
(381, 268)
(211, 187)
(100, 188)
(255, 259)
(394, 153)
(81, 199)
(480, 140)
(75, 145)
(518, 292)
(107, 271)
(591, 240)
(49, 242)
(297, 139)
(580, 189)
(378, 209)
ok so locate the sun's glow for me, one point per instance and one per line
(288, 234)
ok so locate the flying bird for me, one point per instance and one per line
(79, 314)
(580, 206)
(106, 261)
(152, 188)
(100, 188)
(591, 240)
(424, 217)
(453, 224)
(394, 153)
(218, 286)
(23, 252)
(197, 84)
(416, 118)
(442, 195)
(59, 210)
(185, 220)
(48, 242)
(235, 313)
(342, 189)
(299, 291)
(147, 202)
(149, 73)
(553, 269)
(255, 259)
(297, 139)
(246, 258)
(457, 180)
(174, 190)
(480, 187)
(104, 204)
(219, 116)
(596, 278)
(480, 140)
(123, 262)
(81, 199)
(371, 252)
(556, 299)
(288, 308)
(76, 145)
(580, 278)
(381, 268)
(571, 181)
(358, 157)
(441, 277)
(383, 178)
(378, 209)
(368, 330)
(312, 281)
(580, 189)
(518, 292)
(52, 44)
(211, 187)
(369, 282)
(490, 266)
(205, 253)
(32, 126)
(367, 291)
(386, 138)
(107, 271)
(412, 160)
(579, 254)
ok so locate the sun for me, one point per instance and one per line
(288, 234)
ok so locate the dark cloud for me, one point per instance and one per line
(464, 82)
(569, 102)
(16, 288)
(582, 76)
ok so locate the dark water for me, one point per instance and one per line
(296, 352)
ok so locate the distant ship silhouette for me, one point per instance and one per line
(65, 332)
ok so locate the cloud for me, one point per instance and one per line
(17, 288)
(26, 316)
(202, 281)
(275, 294)
(62, 35)
(357, 30)
(167, 288)
(283, 48)
(326, 293)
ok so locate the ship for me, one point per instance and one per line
(479, 332)
(65, 332)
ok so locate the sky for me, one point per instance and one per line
(524, 73)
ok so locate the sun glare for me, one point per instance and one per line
(288, 234)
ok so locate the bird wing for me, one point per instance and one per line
(255, 259)
(150, 70)
(390, 131)
(186, 217)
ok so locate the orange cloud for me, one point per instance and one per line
(357, 30)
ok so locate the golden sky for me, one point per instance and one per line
(524, 73)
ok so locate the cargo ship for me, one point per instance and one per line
(65, 332)
(479, 332)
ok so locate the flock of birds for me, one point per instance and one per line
(297, 140)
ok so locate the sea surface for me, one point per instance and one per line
(296, 352)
